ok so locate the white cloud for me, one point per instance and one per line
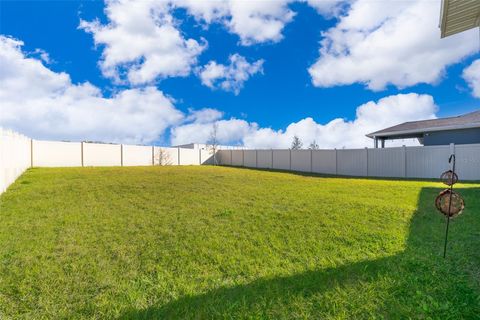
(253, 21)
(378, 43)
(327, 8)
(471, 74)
(47, 105)
(206, 11)
(229, 77)
(230, 131)
(259, 21)
(338, 133)
(205, 115)
(44, 56)
(142, 40)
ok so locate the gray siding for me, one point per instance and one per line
(464, 136)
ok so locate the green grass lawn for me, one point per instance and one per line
(213, 242)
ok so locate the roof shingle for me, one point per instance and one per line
(471, 119)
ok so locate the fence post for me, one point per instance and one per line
(336, 161)
(271, 150)
(121, 155)
(178, 156)
(366, 155)
(290, 159)
(404, 148)
(153, 155)
(199, 156)
(31, 153)
(81, 152)
(231, 157)
(256, 158)
(311, 160)
(243, 158)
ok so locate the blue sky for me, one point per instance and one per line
(281, 95)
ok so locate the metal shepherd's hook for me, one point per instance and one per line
(452, 158)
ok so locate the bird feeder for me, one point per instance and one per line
(449, 202)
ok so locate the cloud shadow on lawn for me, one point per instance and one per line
(416, 283)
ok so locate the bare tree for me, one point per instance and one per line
(163, 157)
(212, 143)
(297, 144)
(313, 145)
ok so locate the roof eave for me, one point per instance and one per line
(458, 16)
(443, 18)
(424, 130)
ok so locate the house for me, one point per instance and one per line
(202, 146)
(462, 129)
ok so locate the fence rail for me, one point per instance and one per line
(401, 162)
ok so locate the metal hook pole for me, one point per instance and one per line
(449, 204)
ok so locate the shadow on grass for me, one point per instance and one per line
(325, 175)
(416, 283)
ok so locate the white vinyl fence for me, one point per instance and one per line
(402, 162)
(15, 157)
(87, 154)
(18, 152)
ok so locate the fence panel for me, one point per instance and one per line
(165, 156)
(250, 158)
(224, 157)
(206, 157)
(264, 159)
(281, 159)
(302, 160)
(189, 157)
(237, 158)
(352, 162)
(15, 157)
(427, 162)
(468, 161)
(324, 161)
(388, 162)
(101, 154)
(137, 155)
(57, 154)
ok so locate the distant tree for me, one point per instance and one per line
(313, 146)
(163, 157)
(297, 144)
(212, 143)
